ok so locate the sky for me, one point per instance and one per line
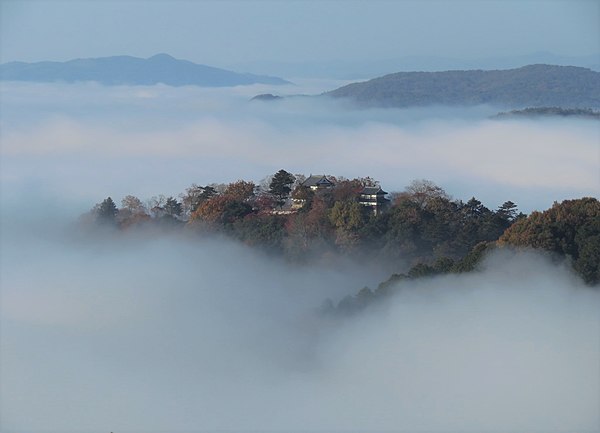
(229, 33)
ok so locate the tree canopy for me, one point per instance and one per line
(281, 186)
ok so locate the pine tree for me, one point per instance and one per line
(106, 212)
(281, 186)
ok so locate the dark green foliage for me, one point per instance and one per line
(281, 186)
(421, 270)
(196, 195)
(351, 304)
(588, 260)
(584, 113)
(570, 228)
(264, 231)
(529, 86)
(422, 226)
(173, 207)
(106, 212)
(235, 210)
(385, 287)
(470, 261)
(207, 192)
(507, 212)
(424, 230)
(443, 265)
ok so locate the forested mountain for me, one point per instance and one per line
(127, 70)
(303, 224)
(567, 231)
(581, 113)
(570, 228)
(528, 86)
(420, 232)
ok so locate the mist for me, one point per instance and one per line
(164, 332)
(171, 333)
(85, 142)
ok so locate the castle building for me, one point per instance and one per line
(374, 197)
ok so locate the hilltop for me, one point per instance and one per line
(127, 70)
(528, 86)
(582, 113)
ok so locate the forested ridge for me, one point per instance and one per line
(567, 231)
(528, 86)
(531, 112)
(420, 232)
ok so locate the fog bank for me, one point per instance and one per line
(177, 333)
(87, 141)
(171, 334)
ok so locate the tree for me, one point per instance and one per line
(240, 190)
(570, 228)
(194, 196)
(422, 191)
(347, 215)
(172, 207)
(264, 231)
(132, 212)
(133, 205)
(281, 185)
(508, 211)
(106, 212)
(208, 192)
(474, 209)
(347, 190)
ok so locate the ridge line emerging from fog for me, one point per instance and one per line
(128, 70)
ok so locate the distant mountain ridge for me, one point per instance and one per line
(128, 70)
(582, 113)
(528, 86)
(366, 69)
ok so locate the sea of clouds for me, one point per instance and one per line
(175, 333)
(86, 142)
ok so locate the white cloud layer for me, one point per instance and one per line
(97, 141)
(173, 334)
(168, 334)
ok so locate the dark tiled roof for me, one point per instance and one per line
(373, 190)
(317, 180)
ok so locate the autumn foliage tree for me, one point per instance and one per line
(423, 225)
(132, 212)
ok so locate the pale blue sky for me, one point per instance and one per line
(223, 33)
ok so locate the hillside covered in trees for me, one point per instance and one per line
(421, 231)
(581, 113)
(528, 86)
(567, 231)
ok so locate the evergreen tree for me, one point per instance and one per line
(281, 186)
(106, 212)
(508, 211)
(173, 207)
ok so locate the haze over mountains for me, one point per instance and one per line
(361, 69)
(537, 85)
(127, 70)
(528, 86)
